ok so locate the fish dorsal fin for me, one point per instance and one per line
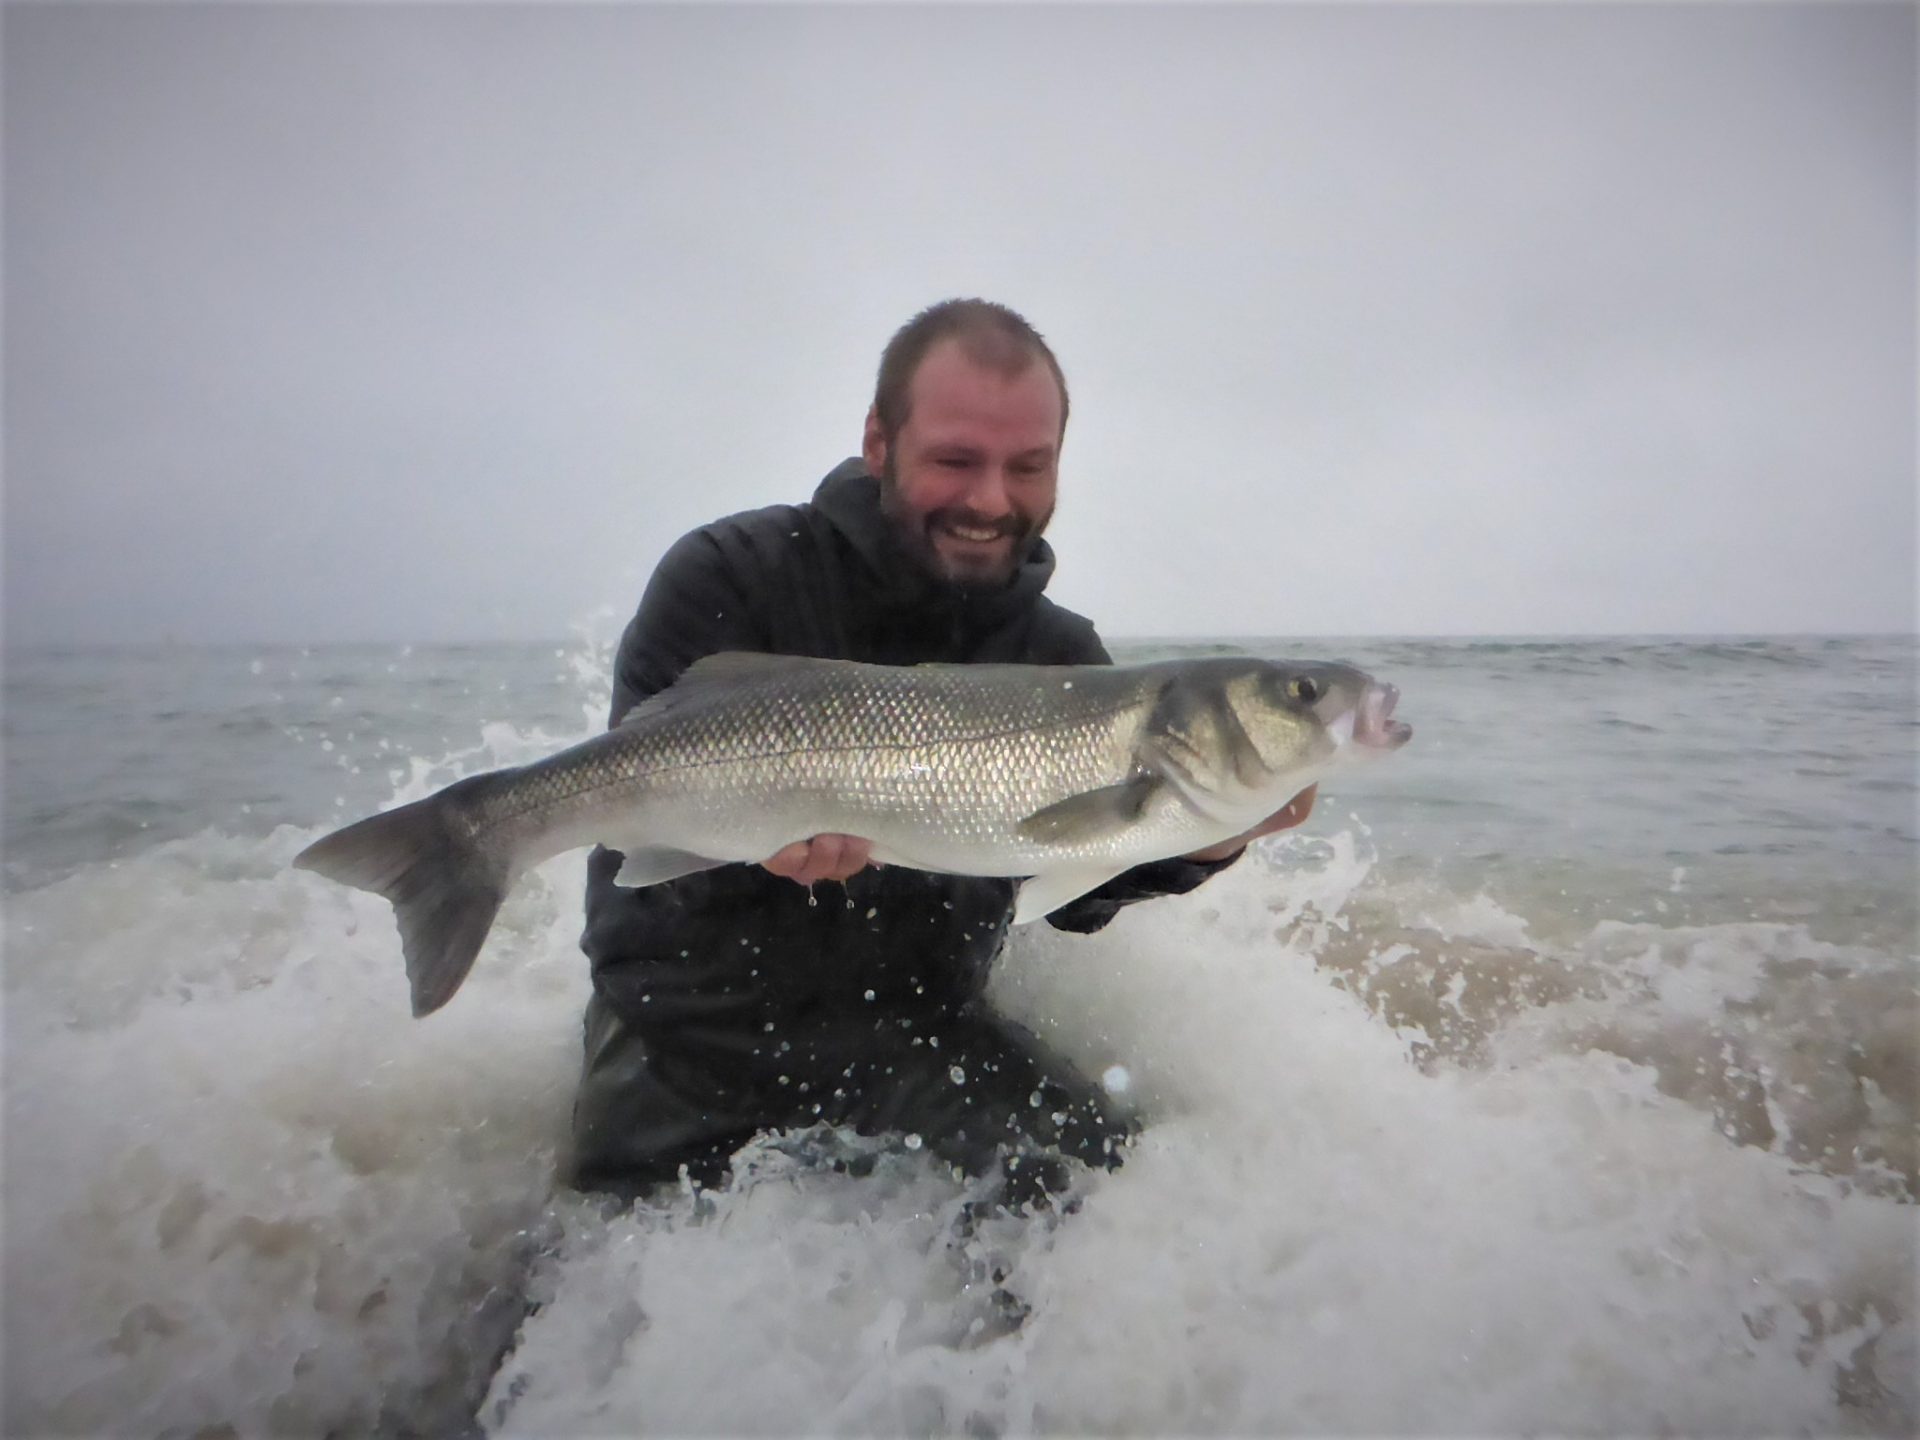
(724, 670)
(1094, 814)
(737, 665)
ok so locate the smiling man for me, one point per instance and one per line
(744, 999)
(965, 436)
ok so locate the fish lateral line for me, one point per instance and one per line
(880, 747)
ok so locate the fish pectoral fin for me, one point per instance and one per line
(652, 864)
(1041, 895)
(1093, 815)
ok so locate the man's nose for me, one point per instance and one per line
(988, 493)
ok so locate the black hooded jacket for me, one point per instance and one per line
(712, 959)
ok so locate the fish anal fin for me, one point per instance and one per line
(1041, 895)
(1092, 815)
(653, 864)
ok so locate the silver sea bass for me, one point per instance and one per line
(1066, 774)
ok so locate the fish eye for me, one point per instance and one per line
(1303, 688)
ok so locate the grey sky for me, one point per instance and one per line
(357, 322)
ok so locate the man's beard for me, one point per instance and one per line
(915, 531)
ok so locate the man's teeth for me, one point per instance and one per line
(967, 533)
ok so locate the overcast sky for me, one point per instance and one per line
(442, 322)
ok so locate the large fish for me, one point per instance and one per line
(1065, 774)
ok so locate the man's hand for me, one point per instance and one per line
(1285, 818)
(824, 857)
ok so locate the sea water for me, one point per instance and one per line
(1558, 1076)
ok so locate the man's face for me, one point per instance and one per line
(969, 481)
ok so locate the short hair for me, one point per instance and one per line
(992, 335)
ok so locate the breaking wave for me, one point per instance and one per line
(1418, 1156)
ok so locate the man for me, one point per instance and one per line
(817, 987)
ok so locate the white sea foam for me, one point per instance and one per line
(261, 1196)
(1415, 1160)
(1313, 1234)
(244, 1188)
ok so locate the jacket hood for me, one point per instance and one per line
(849, 498)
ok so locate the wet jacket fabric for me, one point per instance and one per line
(733, 1000)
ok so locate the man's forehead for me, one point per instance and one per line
(951, 389)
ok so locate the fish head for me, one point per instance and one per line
(1304, 717)
(1238, 737)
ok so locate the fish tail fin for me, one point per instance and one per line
(445, 884)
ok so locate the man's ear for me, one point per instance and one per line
(873, 443)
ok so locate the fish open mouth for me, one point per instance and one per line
(1373, 723)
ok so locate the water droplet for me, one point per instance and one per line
(869, 994)
(957, 1075)
(1115, 1079)
(912, 1142)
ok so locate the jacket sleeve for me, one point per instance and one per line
(1094, 909)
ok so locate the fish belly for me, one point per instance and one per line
(955, 815)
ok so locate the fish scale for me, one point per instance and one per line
(1065, 775)
(950, 760)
